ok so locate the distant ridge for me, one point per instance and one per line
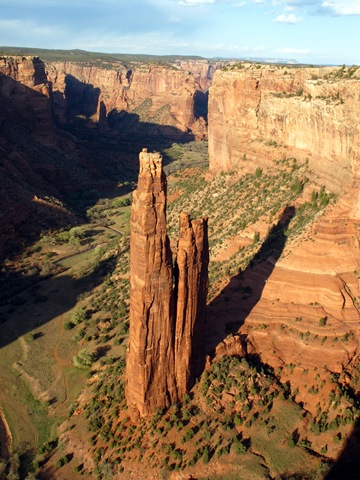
(77, 55)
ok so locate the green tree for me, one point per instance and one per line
(84, 359)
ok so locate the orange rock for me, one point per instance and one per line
(307, 113)
(191, 291)
(165, 347)
(159, 96)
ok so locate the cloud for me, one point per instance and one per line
(341, 7)
(194, 3)
(288, 18)
(322, 7)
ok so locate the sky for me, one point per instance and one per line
(308, 31)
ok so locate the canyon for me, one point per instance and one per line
(51, 114)
(169, 99)
(281, 196)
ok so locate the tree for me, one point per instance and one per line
(83, 359)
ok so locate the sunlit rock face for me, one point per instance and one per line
(271, 111)
(167, 307)
(25, 95)
(259, 114)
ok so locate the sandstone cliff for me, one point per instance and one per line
(160, 97)
(308, 113)
(259, 114)
(166, 322)
(39, 164)
(25, 94)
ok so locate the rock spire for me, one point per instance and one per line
(167, 304)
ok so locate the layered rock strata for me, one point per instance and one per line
(303, 307)
(167, 305)
(156, 97)
(309, 113)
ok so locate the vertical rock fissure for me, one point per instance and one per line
(167, 303)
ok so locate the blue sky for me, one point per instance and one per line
(311, 31)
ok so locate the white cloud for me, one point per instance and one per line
(193, 3)
(342, 7)
(288, 18)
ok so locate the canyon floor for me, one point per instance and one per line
(279, 395)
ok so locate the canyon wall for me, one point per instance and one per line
(25, 95)
(160, 96)
(166, 322)
(259, 114)
(275, 111)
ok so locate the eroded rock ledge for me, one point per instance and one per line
(167, 303)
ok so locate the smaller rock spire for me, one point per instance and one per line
(191, 285)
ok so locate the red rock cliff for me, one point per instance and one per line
(314, 111)
(261, 113)
(156, 94)
(163, 356)
(25, 95)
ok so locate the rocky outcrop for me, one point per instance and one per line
(150, 357)
(166, 322)
(309, 113)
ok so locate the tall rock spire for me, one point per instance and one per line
(167, 307)
(150, 381)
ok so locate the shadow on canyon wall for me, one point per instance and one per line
(201, 101)
(80, 98)
(41, 157)
(228, 311)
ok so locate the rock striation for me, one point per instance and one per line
(306, 312)
(167, 304)
(270, 111)
(151, 97)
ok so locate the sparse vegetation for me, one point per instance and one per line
(241, 410)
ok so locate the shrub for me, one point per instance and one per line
(322, 321)
(240, 448)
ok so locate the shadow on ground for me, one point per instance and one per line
(44, 299)
(228, 311)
